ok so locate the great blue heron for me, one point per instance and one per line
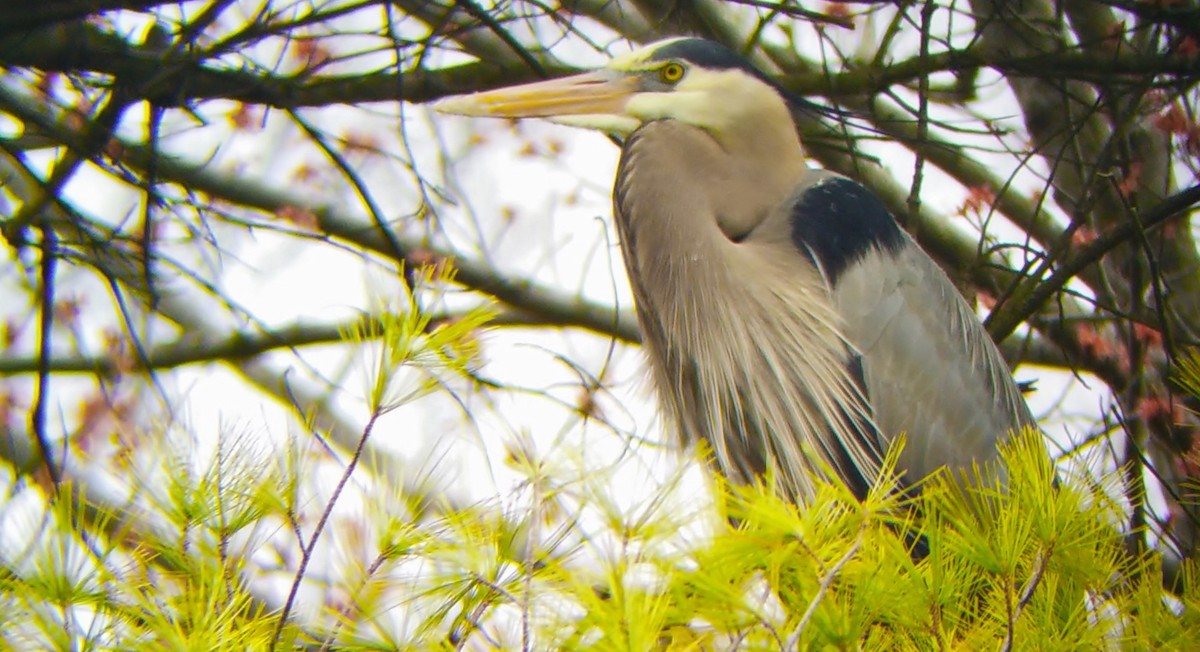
(788, 320)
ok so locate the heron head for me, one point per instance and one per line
(686, 79)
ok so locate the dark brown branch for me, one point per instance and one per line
(81, 47)
(78, 47)
(1057, 65)
(240, 345)
(22, 15)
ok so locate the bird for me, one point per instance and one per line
(787, 319)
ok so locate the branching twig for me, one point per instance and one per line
(827, 581)
(1039, 569)
(306, 553)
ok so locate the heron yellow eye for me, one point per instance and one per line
(671, 73)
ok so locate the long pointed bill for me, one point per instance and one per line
(591, 93)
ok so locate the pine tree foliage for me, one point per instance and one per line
(1013, 564)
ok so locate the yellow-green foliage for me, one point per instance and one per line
(1037, 566)
(1015, 564)
(1188, 372)
(1028, 564)
(407, 338)
(92, 580)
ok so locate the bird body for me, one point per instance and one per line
(733, 356)
(788, 320)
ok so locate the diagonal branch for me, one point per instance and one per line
(1033, 294)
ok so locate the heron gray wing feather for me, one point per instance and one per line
(957, 399)
(931, 371)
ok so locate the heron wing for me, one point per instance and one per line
(931, 370)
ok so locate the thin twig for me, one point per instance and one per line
(316, 535)
(49, 264)
(793, 642)
(1039, 569)
(914, 195)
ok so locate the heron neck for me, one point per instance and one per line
(762, 166)
(705, 228)
(732, 182)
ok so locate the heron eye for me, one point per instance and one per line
(671, 73)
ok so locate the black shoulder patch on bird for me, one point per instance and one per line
(837, 221)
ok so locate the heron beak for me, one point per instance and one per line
(596, 93)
